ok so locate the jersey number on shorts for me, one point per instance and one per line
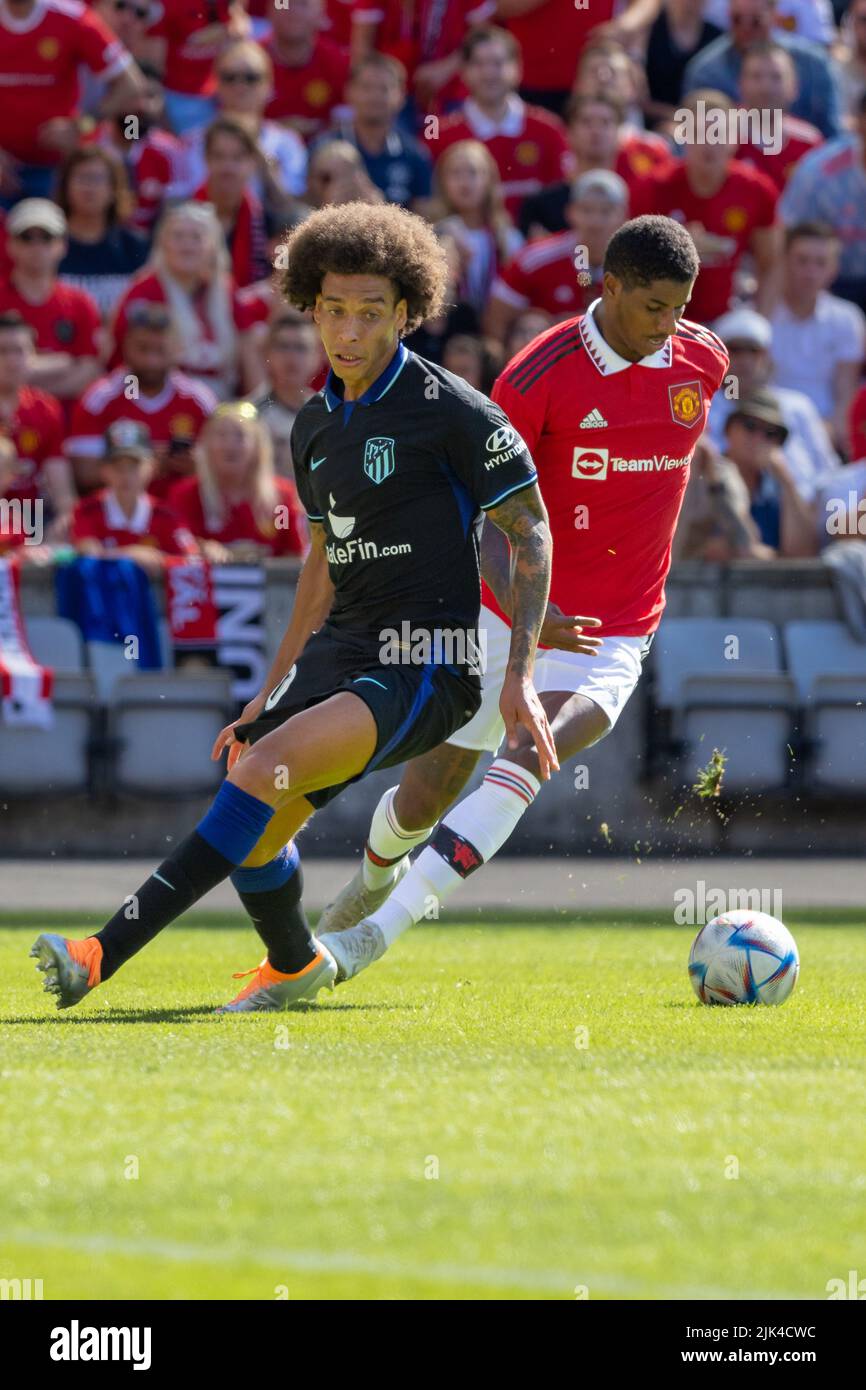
(280, 690)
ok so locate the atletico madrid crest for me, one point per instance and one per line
(379, 461)
(687, 403)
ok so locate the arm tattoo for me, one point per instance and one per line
(496, 564)
(523, 519)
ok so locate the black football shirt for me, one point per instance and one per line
(399, 479)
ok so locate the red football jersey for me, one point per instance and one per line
(551, 38)
(40, 56)
(857, 427)
(194, 32)
(612, 441)
(67, 321)
(241, 524)
(798, 138)
(99, 517)
(424, 31)
(543, 276)
(745, 202)
(154, 165)
(208, 362)
(36, 428)
(307, 95)
(175, 414)
(530, 146)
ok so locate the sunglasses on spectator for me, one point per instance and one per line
(140, 11)
(236, 76)
(771, 432)
(147, 316)
(35, 234)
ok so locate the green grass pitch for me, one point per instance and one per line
(499, 1110)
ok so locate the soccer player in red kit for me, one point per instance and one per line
(611, 405)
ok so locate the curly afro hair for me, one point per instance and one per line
(651, 248)
(368, 239)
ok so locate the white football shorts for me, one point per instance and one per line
(608, 679)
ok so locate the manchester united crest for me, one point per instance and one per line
(687, 403)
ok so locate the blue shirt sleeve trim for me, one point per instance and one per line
(518, 487)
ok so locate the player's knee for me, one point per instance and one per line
(256, 774)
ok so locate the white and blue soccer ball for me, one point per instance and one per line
(744, 957)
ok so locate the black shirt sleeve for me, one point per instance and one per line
(298, 448)
(488, 455)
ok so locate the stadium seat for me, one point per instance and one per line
(829, 670)
(721, 680)
(45, 762)
(160, 710)
(108, 664)
(56, 642)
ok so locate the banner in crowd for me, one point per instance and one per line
(218, 611)
(25, 686)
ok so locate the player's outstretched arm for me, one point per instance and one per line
(522, 518)
(313, 598)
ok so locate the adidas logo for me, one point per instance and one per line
(593, 421)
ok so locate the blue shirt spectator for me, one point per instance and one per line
(830, 184)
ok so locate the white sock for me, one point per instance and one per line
(469, 835)
(388, 842)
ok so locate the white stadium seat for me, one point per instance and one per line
(162, 725)
(56, 642)
(45, 762)
(829, 669)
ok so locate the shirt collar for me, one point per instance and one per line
(511, 124)
(602, 354)
(117, 520)
(333, 390)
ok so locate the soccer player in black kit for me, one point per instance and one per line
(395, 459)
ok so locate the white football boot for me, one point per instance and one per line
(356, 901)
(354, 949)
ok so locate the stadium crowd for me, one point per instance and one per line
(154, 152)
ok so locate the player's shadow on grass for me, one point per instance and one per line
(188, 1014)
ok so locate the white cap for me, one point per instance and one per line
(744, 325)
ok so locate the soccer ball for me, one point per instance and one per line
(744, 957)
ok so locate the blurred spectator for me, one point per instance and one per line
(830, 184)
(808, 19)
(562, 274)
(123, 520)
(718, 66)
(236, 506)
(606, 69)
(600, 139)
(425, 36)
(153, 159)
(680, 30)
(64, 319)
(127, 20)
(528, 143)
(42, 45)
(808, 448)
(245, 80)
(819, 341)
(293, 356)
(336, 174)
(768, 85)
(397, 164)
(20, 528)
(754, 435)
(857, 426)
(231, 156)
(189, 271)
(716, 522)
(525, 327)
(473, 359)
(146, 388)
(188, 38)
(430, 338)
(729, 208)
(33, 420)
(310, 70)
(551, 35)
(469, 195)
(851, 57)
(102, 254)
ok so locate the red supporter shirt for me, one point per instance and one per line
(99, 518)
(39, 60)
(745, 203)
(241, 524)
(798, 138)
(857, 426)
(543, 276)
(551, 38)
(67, 321)
(307, 95)
(209, 361)
(612, 441)
(529, 145)
(154, 165)
(36, 428)
(194, 31)
(424, 31)
(174, 415)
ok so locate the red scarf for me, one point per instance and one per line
(247, 239)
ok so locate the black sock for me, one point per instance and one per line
(272, 897)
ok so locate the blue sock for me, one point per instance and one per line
(272, 897)
(235, 822)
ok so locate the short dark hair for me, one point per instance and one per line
(288, 318)
(651, 248)
(229, 125)
(368, 239)
(799, 231)
(384, 62)
(483, 33)
(578, 102)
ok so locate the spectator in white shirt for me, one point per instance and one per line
(819, 340)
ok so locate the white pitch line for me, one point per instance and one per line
(347, 1262)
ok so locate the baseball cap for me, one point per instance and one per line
(744, 325)
(760, 405)
(127, 439)
(603, 181)
(36, 212)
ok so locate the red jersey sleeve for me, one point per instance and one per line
(98, 48)
(172, 536)
(51, 433)
(90, 322)
(87, 520)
